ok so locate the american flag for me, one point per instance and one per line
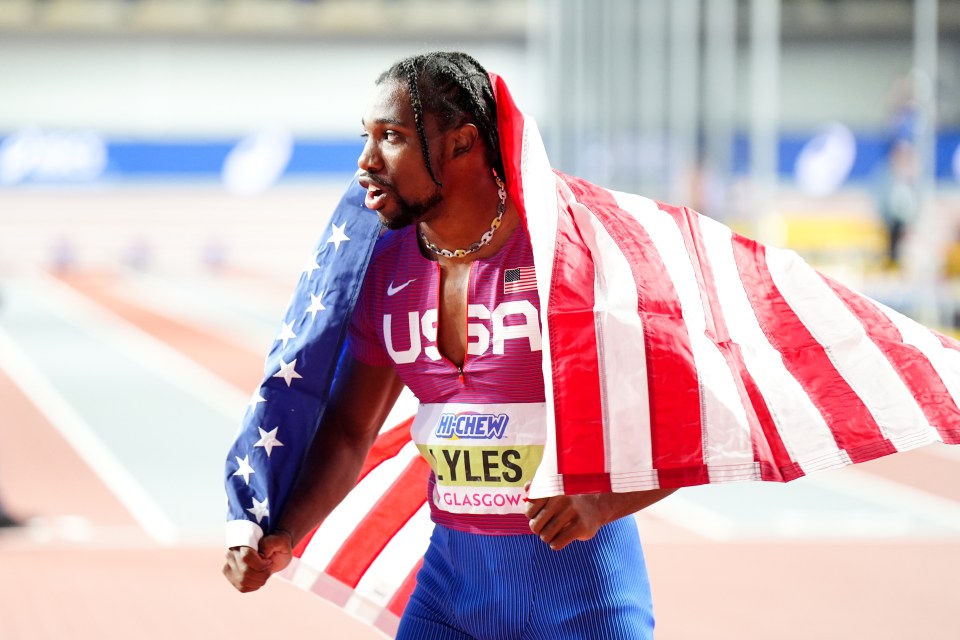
(285, 409)
(519, 279)
(676, 353)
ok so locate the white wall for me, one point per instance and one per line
(851, 81)
(197, 86)
(152, 86)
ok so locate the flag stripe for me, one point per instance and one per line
(765, 441)
(672, 378)
(399, 601)
(859, 360)
(328, 537)
(912, 366)
(511, 129)
(947, 342)
(391, 512)
(772, 386)
(725, 429)
(575, 365)
(626, 401)
(799, 425)
(397, 558)
(387, 445)
(853, 427)
(944, 359)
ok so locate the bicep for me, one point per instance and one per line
(362, 398)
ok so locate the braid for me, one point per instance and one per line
(414, 89)
(455, 89)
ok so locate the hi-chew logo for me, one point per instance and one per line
(470, 425)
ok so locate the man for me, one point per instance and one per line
(672, 353)
(560, 567)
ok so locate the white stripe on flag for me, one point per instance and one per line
(726, 431)
(946, 362)
(540, 187)
(623, 367)
(802, 429)
(358, 503)
(392, 566)
(858, 360)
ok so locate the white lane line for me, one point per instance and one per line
(84, 440)
(153, 354)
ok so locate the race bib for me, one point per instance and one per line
(482, 454)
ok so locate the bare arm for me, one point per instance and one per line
(359, 404)
(562, 519)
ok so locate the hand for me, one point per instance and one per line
(248, 569)
(562, 519)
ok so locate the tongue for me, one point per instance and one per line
(375, 198)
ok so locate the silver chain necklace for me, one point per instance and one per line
(484, 239)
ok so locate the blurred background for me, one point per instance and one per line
(166, 167)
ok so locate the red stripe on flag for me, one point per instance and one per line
(946, 341)
(510, 129)
(404, 497)
(399, 600)
(768, 448)
(851, 423)
(913, 367)
(675, 420)
(386, 446)
(576, 371)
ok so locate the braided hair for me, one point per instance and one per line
(455, 89)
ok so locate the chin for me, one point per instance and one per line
(394, 222)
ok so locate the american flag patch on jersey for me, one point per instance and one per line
(519, 279)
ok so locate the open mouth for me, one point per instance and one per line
(376, 197)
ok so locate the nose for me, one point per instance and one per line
(369, 159)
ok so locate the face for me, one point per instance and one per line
(399, 187)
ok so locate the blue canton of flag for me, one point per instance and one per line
(284, 412)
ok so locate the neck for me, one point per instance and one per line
(466, 216)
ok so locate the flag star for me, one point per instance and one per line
(256, 399)
(245, 469)
(338, 235)
(315, 305)
(268, 440)
(286, 333)
(287, 371)
(259, 510)
(311, 265)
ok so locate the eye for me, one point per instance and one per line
(391, 136)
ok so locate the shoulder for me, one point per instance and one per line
(391, 245)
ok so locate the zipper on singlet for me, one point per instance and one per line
(466, 310)
(466, 323)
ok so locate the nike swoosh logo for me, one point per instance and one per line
(391, 290)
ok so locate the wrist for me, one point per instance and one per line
(287, 533)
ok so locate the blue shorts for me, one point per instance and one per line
(476, 587)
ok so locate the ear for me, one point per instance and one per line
(462, 140)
